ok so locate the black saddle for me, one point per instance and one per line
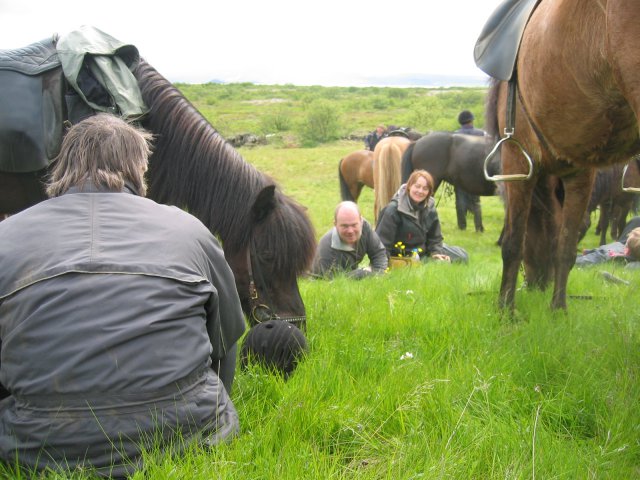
(32, 106)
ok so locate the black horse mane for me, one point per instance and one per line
(194, 168)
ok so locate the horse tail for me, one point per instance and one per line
(407, 164)
(386, 171)
(345, 193)
(491, 109)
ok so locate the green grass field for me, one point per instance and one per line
(418, 375)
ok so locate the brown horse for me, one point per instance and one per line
(387, 159)
(267, 237)
(577, 109)
(354, 172)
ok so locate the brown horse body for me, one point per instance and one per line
(387, 174)
(354, 172)
(578, 102)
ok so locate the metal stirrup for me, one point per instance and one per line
(624, 172)
(508, 132)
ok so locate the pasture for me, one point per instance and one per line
(418, 375)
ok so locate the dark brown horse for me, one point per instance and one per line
(455, 158)
(267, 237)
(614, 203)
(354, 172)
(577, 109)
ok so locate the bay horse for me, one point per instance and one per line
(577, 108)
(387, 158)
(267, 237)
(456, 158)
(355, 171)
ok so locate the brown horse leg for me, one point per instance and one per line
(518, 201)
(542, 233)
(576, 198)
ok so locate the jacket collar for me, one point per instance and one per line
(89, 187)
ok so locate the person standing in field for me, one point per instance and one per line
(465, 201)
(372, 139)
(119, 317)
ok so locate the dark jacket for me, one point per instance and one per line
(470, 130)
(416, 226)
(333, 255)
(112, 308)
(372, 139)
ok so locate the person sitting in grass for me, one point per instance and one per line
(343, 247)
(409, 224)
(625, 250)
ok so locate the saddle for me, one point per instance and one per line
(32, 110)
(497, 46)
(58, 81)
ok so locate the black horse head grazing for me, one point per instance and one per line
(267, 237)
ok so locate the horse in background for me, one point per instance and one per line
(354, 172)
(613, 202)
(387, 158)
(267, 237)
(577, 109)
(455, 158)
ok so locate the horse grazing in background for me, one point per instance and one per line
(614, 203)
(577, 109)
(267, 237)
(387, 158)
(354, 172)
(455, 158)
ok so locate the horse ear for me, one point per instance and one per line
(264, 203)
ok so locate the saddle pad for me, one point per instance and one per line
(497, 46)
(34, 59)
(31, 107)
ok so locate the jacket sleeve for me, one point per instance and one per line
(376, 251)
(225, 319)
(387, 227)
(434, 235)
(324, 260)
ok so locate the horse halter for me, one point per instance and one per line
(261, 312)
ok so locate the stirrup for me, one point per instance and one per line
(624, 172)
(513, 177)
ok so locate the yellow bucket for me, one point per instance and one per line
(402, 262)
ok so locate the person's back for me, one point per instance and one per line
(108, 329)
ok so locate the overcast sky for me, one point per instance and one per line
(330, 42)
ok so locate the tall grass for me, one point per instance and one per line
(418, 375)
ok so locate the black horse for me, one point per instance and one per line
(455, 158)
(267, 237)
(615, 204)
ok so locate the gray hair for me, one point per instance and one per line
(103, 150)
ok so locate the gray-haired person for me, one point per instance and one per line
(119, 316)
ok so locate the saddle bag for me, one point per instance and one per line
(32, 109)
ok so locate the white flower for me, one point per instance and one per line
(406, 355)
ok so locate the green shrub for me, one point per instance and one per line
(278, 121)
(321, 124)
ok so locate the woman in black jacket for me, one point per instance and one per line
(409, 224)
